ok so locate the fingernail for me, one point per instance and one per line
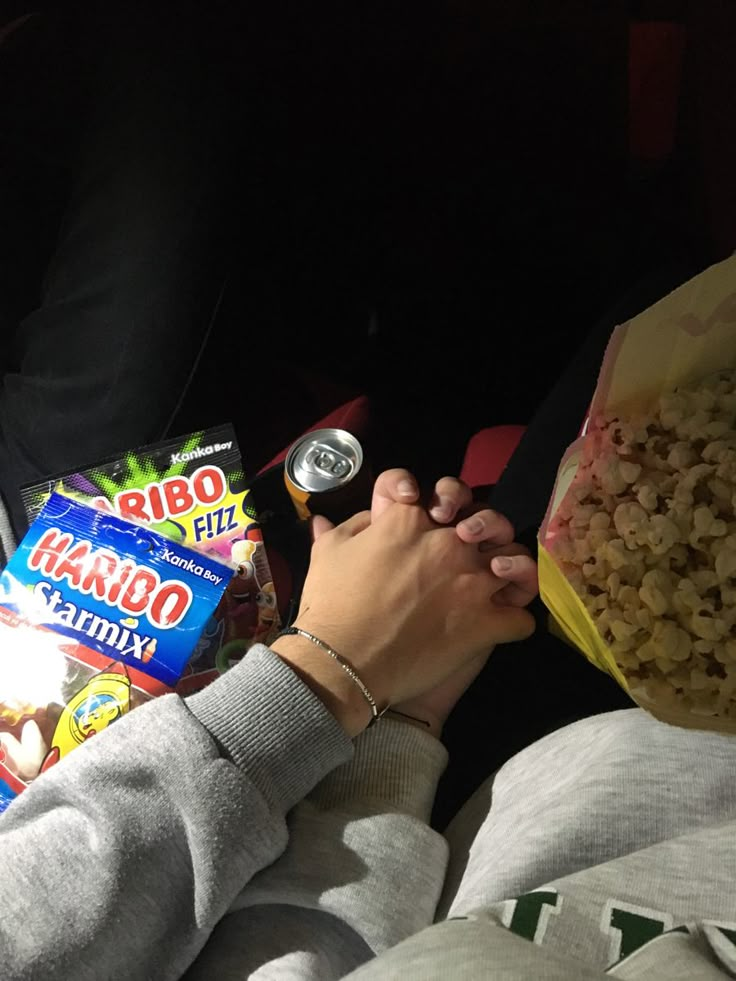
(407, 488)
(502, 564)
(443, 510)
(474, 525)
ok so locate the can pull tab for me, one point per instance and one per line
(328, 462)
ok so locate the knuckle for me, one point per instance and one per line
(453, 485)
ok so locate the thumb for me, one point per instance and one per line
(391, 486)
(319, 525)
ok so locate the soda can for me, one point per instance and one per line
(325, 473)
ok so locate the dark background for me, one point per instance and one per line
(436, 203)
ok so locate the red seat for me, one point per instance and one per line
(353, 416)
(487, 454)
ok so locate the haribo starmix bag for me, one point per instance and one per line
(191, 489)
(97, 616)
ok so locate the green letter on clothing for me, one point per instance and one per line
(528, 913)
(636, 930)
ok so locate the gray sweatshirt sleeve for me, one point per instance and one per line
(119, 861)
(362, 870)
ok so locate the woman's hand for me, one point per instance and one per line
(406, 601)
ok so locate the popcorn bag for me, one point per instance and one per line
(637, 551)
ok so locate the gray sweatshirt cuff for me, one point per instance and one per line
(272, 726)
(396, 766)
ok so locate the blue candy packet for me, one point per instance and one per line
(97, 615)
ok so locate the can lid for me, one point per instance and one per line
(324, 460)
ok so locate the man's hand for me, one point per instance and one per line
(452, 501)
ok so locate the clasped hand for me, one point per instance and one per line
(413, 597)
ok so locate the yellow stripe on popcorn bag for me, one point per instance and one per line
(570, 620)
